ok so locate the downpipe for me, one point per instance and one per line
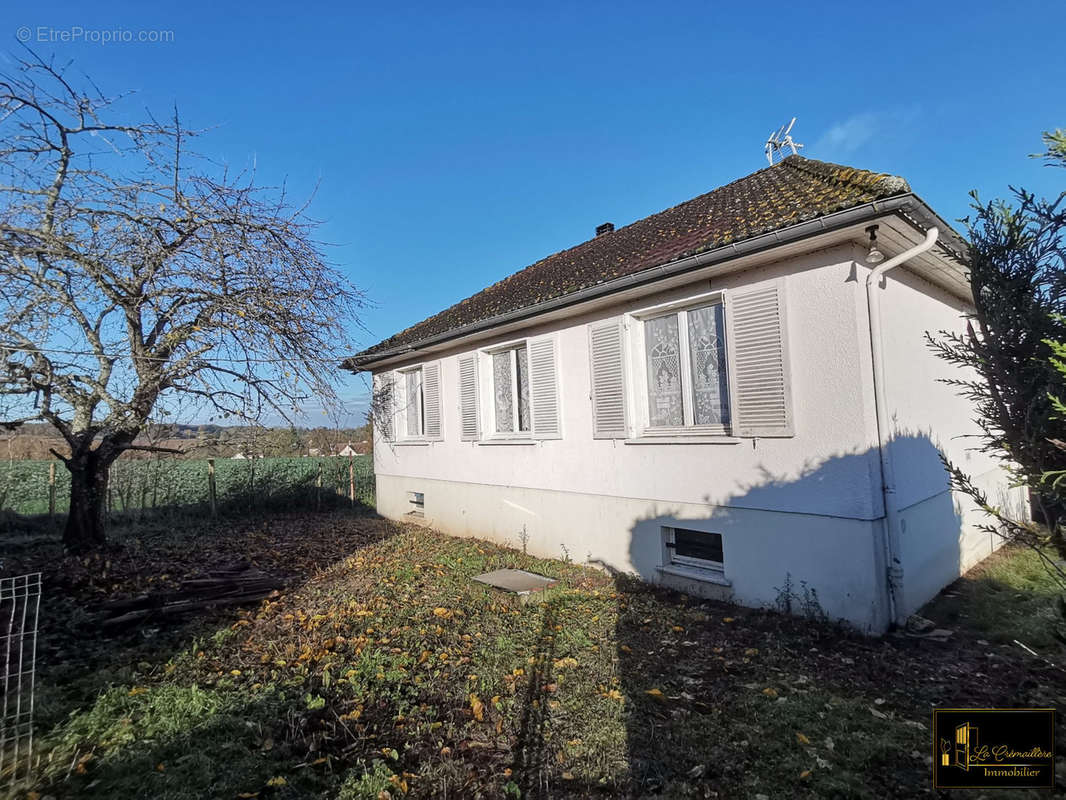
(891, 533)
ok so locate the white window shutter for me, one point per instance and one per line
(385, 406)
(468, 399)
(544, 389)
(607, 358)
(431, 399)
(760, 362)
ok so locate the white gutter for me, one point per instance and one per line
(891, 532)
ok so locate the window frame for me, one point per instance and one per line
(691, 562)
(487, 387)
(634, 322)
(404, 404)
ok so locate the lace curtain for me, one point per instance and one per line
(502, 387)
(413, 387)
(661, 345)
(508, 368)
(522, 376)
(706, 351)
(710, 388)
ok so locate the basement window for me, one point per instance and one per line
(417, 501)
(695, 548)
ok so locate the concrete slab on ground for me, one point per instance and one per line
(526, 585)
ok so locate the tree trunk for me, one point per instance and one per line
(86, 522)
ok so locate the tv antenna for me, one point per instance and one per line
(779, 140)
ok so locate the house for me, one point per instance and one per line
(732, 397)
(348, 450)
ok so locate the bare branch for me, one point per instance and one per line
(132, 270)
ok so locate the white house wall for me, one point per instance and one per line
(829, 403)
(807, 506)
(938, 539)
(801, 505)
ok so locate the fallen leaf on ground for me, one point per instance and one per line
(477, 707)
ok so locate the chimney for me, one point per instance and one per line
(606, 227)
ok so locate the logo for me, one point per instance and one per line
(1002, 748)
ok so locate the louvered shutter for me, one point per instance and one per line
(606, 355)
(431, 399)
(468, 399)
(760, 362)
(544, 389)
(384, 403)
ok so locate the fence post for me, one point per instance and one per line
(211, 486)
(251, 483)
(318, 488)
(52, 492)
(351, 479)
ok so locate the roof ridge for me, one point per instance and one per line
(832, 173)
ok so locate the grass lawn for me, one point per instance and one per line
(382, 671)
(1006, 597)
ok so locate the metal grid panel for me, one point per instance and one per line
(20, 599)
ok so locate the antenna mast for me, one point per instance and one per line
(779, 140)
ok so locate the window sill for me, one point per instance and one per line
(412, 443)
(696, 574)
(492, 442)
(684, 439)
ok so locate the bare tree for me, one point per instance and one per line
(131, 272)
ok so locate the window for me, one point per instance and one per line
(409, 401)
(684, 359)
(509, 393)
(417, 502)
(704, 368)
(695, 548)
(510, 390)
(414, 418)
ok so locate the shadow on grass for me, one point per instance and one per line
(531, 749)
(78, 662)
(188, 742)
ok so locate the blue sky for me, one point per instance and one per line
(452, 147)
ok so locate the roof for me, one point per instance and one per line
(792, 191)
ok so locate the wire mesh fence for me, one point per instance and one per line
(196, 486)
(20, 599)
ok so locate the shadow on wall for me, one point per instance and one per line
(775, 543)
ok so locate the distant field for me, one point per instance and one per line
(183, 484)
